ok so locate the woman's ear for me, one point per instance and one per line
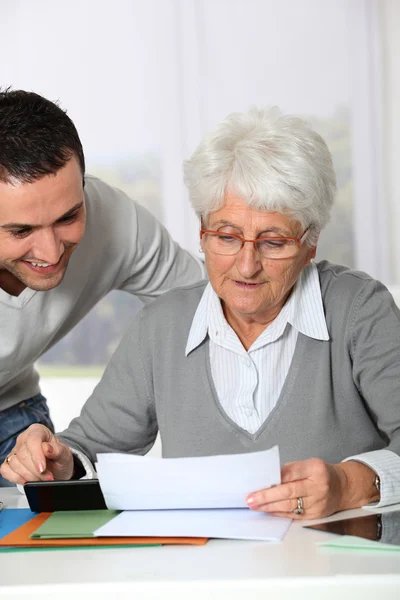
(311, 254)
(313, 250)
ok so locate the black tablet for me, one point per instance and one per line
(48, 496)
(378, 527)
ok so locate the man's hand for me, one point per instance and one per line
(324, 489)
(38, 456)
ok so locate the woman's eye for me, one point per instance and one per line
(227, 238)
(271, 243)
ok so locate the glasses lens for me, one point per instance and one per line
(274, 247)
(222, 243)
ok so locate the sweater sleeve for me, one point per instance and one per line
(120, 415)
(375, 349)
(386, 464)
(157, 264)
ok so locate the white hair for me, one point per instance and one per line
(275, 162)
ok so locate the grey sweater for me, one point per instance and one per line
(341, 397)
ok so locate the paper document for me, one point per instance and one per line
(142, 483)
(237, 523)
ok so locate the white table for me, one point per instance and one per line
(296, 569)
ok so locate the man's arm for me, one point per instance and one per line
(153, 263)
(160, 263)
(134, 251)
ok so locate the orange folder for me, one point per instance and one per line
(20, 538)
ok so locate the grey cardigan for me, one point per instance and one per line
(341, 397)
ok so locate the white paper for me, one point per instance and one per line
(237, 523)
(143, 483)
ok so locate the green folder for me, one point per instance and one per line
(66, 524)
(357, 543)
(9, 549)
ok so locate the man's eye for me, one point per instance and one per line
(20, 233)
(68, 218)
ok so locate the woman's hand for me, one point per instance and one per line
(38, 456)
(323, 488)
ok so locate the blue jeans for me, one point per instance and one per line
(16, 419)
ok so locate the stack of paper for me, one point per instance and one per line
(229, 523)
(202, 496)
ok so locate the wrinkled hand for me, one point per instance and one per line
(324, 488)
(38, 456)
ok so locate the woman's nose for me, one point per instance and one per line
(248, 260)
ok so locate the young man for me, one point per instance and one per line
(66, 240)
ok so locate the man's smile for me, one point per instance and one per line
(42, 267)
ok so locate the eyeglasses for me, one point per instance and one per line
(228, 244)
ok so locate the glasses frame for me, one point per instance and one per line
(298, 240)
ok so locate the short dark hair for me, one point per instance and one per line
(37, 137)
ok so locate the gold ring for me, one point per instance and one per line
(299, 510)
(9, 457)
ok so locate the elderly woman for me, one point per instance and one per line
(274, 350)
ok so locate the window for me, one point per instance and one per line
(144, 80)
